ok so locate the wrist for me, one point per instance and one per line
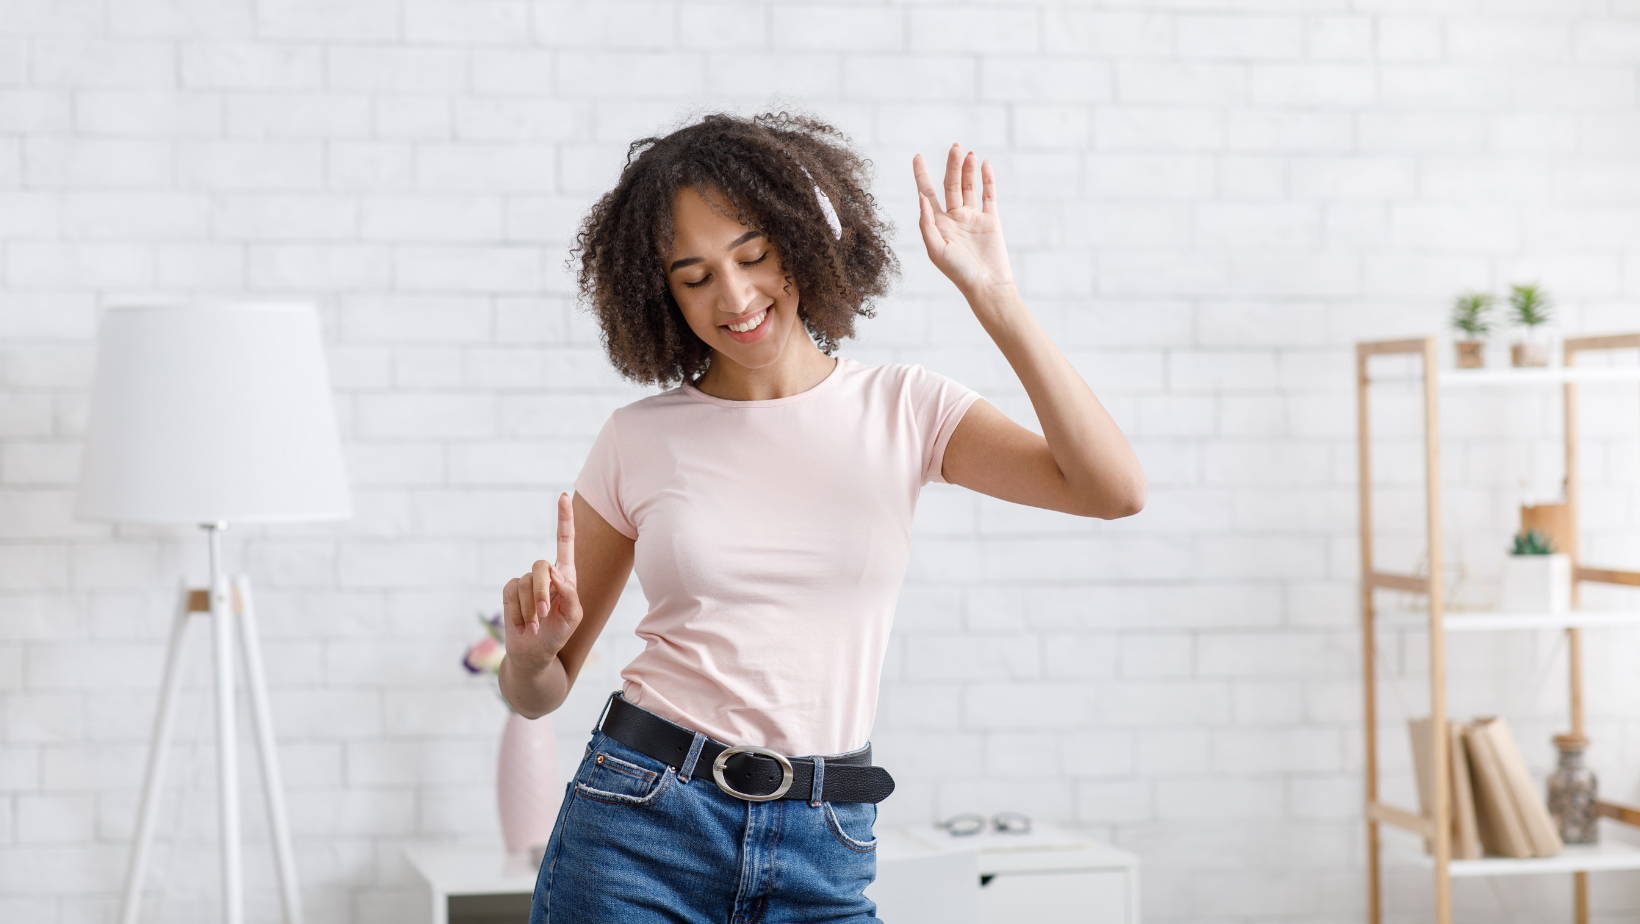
(530, 689)
(995, 297)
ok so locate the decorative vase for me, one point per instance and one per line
(1572, 793)
(1471, 354)
(1531, 350)
(1536, 583)
(527, 786)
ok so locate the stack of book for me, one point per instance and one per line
(1496, 808)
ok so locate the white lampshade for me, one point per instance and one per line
(212, 413)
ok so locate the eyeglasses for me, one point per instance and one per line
(974, 823)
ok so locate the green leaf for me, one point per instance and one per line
(1530, 304)
(1469, 313)
(1532, 542)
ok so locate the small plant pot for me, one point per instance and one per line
(1553, 520)
(1471, 354)
(1530, 352)
(1536, 583)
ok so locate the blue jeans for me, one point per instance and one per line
(635, 842)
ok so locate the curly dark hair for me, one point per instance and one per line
(758, 166)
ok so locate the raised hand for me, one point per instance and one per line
(542, 608)
(964, 237)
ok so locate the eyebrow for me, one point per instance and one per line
(690, 261)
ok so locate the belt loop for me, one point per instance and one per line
(605, 711)
(687, 770)
(819, 781)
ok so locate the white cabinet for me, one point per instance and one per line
(1052, 875)
(1058, 897)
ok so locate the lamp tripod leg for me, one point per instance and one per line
(227, 741)
(158, 743)
(272, 785)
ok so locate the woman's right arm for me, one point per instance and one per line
(533, 693)
(594, 563)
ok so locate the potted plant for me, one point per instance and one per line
(1469, 316)
(1531, 311)
(1536, 578)
(1551, 518)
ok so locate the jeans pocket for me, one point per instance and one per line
(612, 772)
(852, 824)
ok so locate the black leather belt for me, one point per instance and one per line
(754, 774)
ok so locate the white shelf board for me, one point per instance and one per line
(1606, 855)
(1503, 620)
(1547, 375)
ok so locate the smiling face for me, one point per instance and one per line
(721, 271)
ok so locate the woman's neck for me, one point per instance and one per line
(765, 384)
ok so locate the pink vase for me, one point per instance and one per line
(527, 787)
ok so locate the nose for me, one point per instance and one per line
(741, 295)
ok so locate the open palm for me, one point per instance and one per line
(964, 237)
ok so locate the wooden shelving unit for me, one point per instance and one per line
(1579, 860)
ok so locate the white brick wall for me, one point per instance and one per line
(1208, 202)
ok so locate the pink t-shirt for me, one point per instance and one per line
(772, 542)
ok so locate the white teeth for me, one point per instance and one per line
(750, 323)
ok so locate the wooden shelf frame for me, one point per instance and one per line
(1436, 826)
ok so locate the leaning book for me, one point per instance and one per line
(1465, 836)
(1530, 803)
(1502, 830)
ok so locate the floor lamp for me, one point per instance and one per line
(210, 415)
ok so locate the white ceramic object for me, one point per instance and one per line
(1536, 583)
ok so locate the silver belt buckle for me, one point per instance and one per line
(723, 760)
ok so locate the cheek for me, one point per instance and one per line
(694, 315)
(701, 322)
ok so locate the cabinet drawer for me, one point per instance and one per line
(1083, 897)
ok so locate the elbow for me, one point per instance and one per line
(1123, 503)
(1137, 495)
(1127, 508)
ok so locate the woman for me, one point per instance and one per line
(730, 777)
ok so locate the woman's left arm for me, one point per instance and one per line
(1094, 459)
(1090, 449)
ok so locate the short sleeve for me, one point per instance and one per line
(938, 403)
(600, 480)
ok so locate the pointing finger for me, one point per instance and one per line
(566, 535)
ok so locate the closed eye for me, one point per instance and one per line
(708, 277)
